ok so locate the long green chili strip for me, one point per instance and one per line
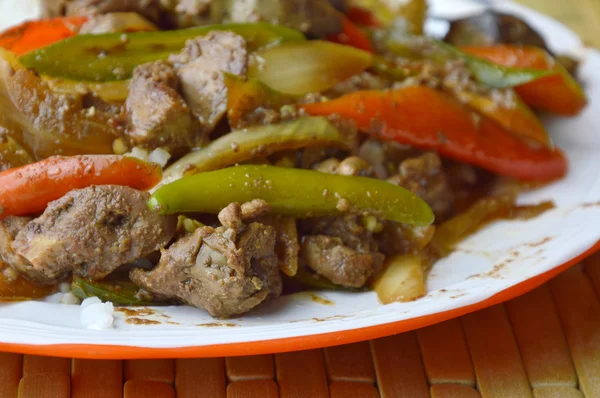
(258, 141)
(116, 292)
(291, 192)
(113, 56)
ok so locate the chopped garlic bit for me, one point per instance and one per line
(69, 298)
(64, 287)
(159, 156)
(96, 315)
(138, 153)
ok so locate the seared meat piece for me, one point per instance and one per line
(187, 13)
(200, 67)
(425, 177)
(341, 248)
(158, 116)
(316, 18)
(329, 257)
(91, 232)
(116, 22)
(9, 228)
(149, 9)
(54, 8)
(226, 271)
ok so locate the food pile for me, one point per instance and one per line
(219, 153)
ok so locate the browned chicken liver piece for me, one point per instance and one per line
(9, 228)
(115, 22)
(341, 248)
(227, 271)
(200, 67)
(149, 9)
(157, 114)
(91, 232)
(424, 176)
(329, 257)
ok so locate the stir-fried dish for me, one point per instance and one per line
(221, 153)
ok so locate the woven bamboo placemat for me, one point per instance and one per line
(545, 344)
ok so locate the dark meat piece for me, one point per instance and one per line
(9, 228)
(158, 116)
(187, 13)
(226, 271)
(116, 22)
(316, 18)
(491, 27)
(54, 8)
(91, 232)
(200, 67)
(340, 264)
(341, 249)
(425, 177)
(149, 9)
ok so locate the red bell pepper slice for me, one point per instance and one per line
(557, 93)
(32, 35)
(432, 120)
(28, 189)
(352, 35)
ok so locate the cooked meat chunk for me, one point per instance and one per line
(9, 228)
(116, 22)
(200, 67)
(425, 177)
(329, 257)
(54, 8)
(226, 271)
(91, 232)
(149, 9)
(341, 249)
(316, 18)
(187, 13)
(158, 116)
(254, 208)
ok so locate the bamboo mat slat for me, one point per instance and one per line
(545, 344)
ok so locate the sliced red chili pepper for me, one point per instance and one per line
(32, 35)
(352, 35)
(429, 119)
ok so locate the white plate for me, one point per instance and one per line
(503, 260)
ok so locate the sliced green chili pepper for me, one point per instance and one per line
(117, 292)
(113, 56)
(291, 192)
(486, 72)
(258, 141)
